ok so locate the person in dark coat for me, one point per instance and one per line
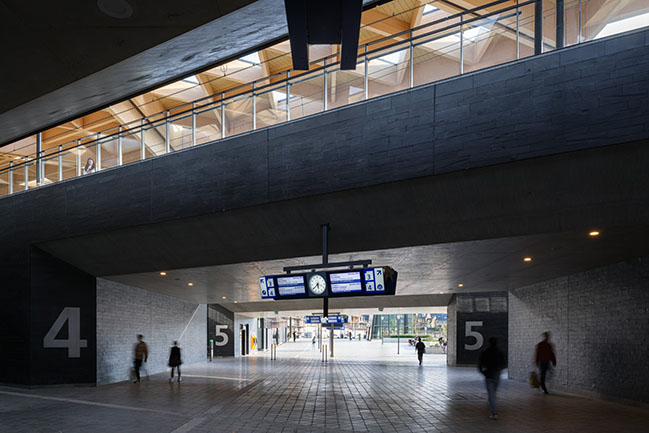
(545, 356)
(174, 361)
(492, 361)
(421, 349)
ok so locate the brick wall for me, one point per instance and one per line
(124, 311)
(599, 320)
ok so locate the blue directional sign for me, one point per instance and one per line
(336, 319)
(374, 281)
(336, 326)
(313, 319)
(267, 286)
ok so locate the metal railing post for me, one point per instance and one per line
(26, 174)
(11, 177)
(518, 45)
(142, 147)
(120, 158)
(254, 106)
(579, 24)
(167, 141)
(288, 96)
(39, 156)
(367, 66)
(98, 144)
(60, 158)
(193, 124)
(222, 115)
(412, 62)
(538, 27)
(461, 44)
(324, 81)
(560, 24)
(78, 157)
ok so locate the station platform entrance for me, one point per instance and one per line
(366, 388)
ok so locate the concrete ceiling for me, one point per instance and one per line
(57, 43)
(428, 274)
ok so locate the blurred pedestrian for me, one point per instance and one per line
(545, 356)
(492, 361)
(420, 347)
(174, 361)
(141, 354)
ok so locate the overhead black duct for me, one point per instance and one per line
(323, 22)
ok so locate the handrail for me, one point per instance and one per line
(323, 67)
(284, 80)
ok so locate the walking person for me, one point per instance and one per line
(492, 361)
(545, 356)
(420, 347)
(141, 354)
(174, 361)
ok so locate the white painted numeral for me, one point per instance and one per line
(220, 333)
(73, 343)
(469, 332)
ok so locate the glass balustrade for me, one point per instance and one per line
(449, 45)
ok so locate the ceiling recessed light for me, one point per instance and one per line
(527, 259)
(163, 273)
(460, 285)
(190, 284)
(120, 9)
(222, 297)
(593, 233)
(236, 302)
(441, 293)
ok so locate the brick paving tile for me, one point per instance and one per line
(364, 389)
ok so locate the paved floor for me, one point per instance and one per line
(367, 388)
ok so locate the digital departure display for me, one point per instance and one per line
(291, 285)
(345, 282)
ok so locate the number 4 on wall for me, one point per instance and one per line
(73, 343)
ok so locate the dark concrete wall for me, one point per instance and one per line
(487, 313)
(59, 290)
(598, 320)
(124, 311)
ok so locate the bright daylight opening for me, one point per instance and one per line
(624, 25)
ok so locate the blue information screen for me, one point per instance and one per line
(291, 285)
(345, 282)
(312, 319)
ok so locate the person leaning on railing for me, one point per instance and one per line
(90, 166)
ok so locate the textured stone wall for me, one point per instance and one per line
(123, 312)
(599, 322)
(451, 332)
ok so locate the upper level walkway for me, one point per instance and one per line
(299, 393)
(441, 41)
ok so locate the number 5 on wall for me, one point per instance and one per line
(469, 332)
(223, 335)
(73, 343)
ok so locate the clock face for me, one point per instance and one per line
(317, 284)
